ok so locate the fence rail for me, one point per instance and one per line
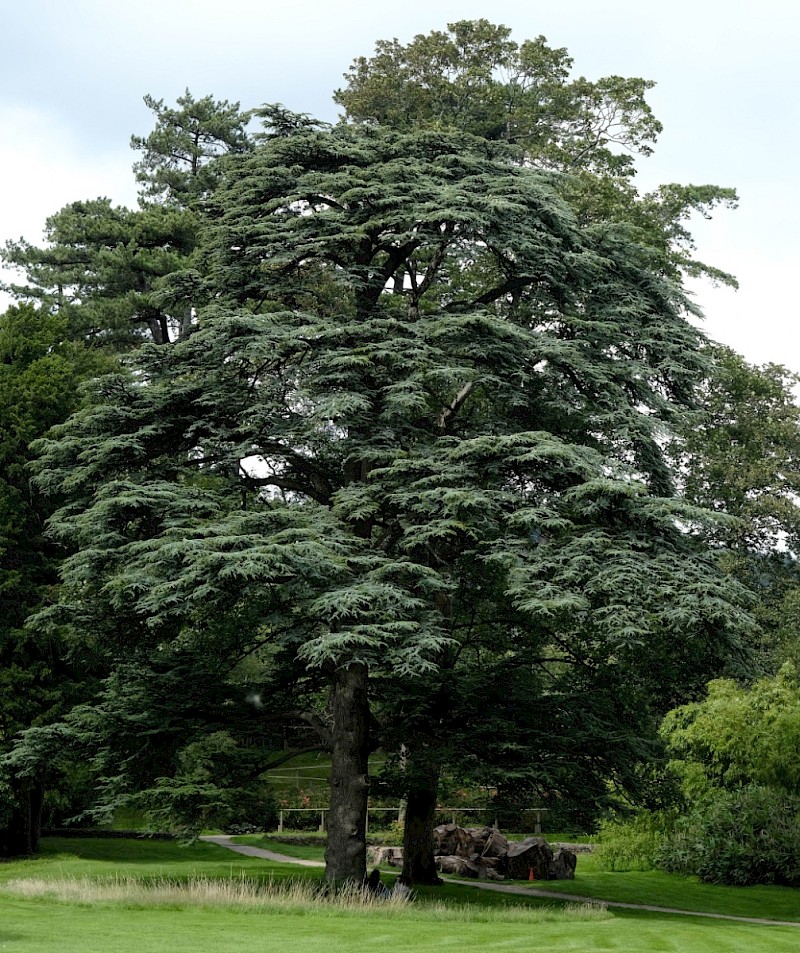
(453, 811)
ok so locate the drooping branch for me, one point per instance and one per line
(287, 756)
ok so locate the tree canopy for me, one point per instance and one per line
(739, 736)
(473, 77)
(122, 276)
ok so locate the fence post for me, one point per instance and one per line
(280, 822)
(322, 822)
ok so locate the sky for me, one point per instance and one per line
(73, 74)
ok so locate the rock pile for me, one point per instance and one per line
(484, 852)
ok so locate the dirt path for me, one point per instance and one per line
(225, 841)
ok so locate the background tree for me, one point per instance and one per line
(40, 374)
(123, 276)
(737, 736)
(736, 755)
(178, 165)
(475, 78)
(105, 270)
(104, 282)
(741, 457)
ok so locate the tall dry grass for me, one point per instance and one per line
(289, 897)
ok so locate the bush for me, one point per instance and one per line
(744, 837)
(635, 844)
(216, 785)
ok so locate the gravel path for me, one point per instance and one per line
(225, 841)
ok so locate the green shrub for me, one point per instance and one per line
(392, 836)
(749, 836)
(634, 844)
(216, 785)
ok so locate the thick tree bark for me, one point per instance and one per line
(419, 864)
(346, 853)
(21, 836)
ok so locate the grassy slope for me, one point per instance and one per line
(50, 926)
(95, 857)
(683, 893)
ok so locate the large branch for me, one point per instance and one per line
(287, 756)
(455, 405)
(436, 262)
(499, 291)
(322, 728)
(324, 200)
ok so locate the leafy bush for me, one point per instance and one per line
(635, 844)
(750, 836)
(738, 736)
(393, 835)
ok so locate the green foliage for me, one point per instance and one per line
(476, 79)
(40, 375)
(213, 786)
(105, 268)
(740, 837)
(736, 755)
(424, 449)
(738, 736)
(121, 276)
(636, 843)
(177, 164)
(742, 456)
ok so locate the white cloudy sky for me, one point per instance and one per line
(72, 77)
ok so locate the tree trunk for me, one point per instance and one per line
(21, 836)
(346, 853)
(419, 864)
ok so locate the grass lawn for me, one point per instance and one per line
(683, 893)
(45, 924)
(71, 857)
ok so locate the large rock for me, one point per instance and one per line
(452, 841)
(484, 852)
(460, 866)
(532, 854)
(488, 841)
(563, 866)
(472, 842)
